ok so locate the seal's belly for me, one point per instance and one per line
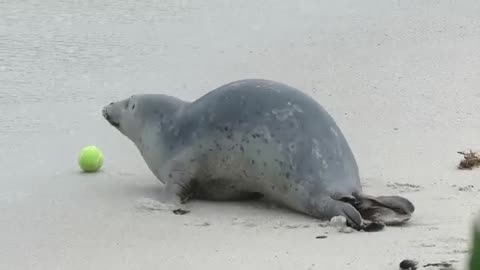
(243, 164)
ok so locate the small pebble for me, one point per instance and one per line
(180, 212)
(338, 222)
(408, 265)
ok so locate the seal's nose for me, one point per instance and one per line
(104, 109)
(109, 118)
(104, 113)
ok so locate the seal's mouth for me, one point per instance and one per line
(109, 118)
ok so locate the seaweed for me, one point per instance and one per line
(470, 160)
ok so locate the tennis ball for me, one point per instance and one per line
(90, 159)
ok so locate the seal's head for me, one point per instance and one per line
(130, 115)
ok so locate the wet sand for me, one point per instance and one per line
(400, 77)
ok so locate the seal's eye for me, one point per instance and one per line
(133, 107)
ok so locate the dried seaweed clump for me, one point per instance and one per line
(470, 159)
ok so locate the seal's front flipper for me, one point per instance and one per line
(176, 191)
(390, 210)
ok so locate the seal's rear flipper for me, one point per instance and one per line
(326, 207)
(333, 207)
(390, 210)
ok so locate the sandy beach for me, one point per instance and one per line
(401, 78)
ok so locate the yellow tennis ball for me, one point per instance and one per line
(90, 159)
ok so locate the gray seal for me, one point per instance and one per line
(251, 139)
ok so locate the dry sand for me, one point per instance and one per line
(402, 78)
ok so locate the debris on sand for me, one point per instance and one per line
(470, 159)
(180, 212)
(444, 265)
(414, 265)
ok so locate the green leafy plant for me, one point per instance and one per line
(475, 251)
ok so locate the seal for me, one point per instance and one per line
(251, 139)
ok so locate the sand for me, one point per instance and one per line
(401, 78)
